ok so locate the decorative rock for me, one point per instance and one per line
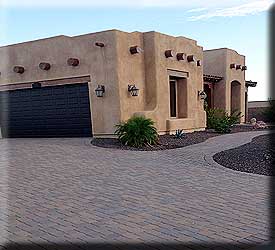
(253, 121)
(260, 124)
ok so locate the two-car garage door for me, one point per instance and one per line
(52, 111)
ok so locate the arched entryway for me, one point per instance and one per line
(235, 96)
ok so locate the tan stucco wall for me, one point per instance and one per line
(157, 81)
(217, 62)
(115, 67)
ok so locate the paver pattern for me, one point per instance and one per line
(66, 190)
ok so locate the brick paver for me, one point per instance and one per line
(66, 190)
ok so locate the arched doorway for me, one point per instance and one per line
(235, 96)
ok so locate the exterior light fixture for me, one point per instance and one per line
(244, 68)
(135, 50)
(202, 95)
(18, 69)
(191, 58)
(133, 90)
(169, 53)
(232, 66)
(199, 63)
(44, 66)
(100, 90)
(73, 62)
(238, 66)
(99, 44)
(181, 56)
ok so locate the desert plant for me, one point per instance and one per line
(137, 132)
(235, 117)
(220, 120)
(179, 133)
(213, 116)
(223, 125)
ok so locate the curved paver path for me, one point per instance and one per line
(66, 190)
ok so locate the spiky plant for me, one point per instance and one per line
(137, 132)
(179, 133)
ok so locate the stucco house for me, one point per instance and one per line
(84, 85)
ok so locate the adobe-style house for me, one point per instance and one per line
(85, 85)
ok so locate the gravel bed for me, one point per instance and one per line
(168, 141)
(255, 157)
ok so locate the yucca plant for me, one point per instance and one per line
(179, 133)
(137, 132)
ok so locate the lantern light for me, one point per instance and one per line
(100, 90)
(202, 95)
(133, 90)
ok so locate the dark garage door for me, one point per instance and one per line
(56, 111)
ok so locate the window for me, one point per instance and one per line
(178, 97)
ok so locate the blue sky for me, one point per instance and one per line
(241, 25)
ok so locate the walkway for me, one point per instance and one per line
(57, 191)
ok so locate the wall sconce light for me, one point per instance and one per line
(100, 90)
(99, 44)
(238, 66)
(73, 62)
(232, 66)
(244, 68)
(202, 95)
(44, 66)
(133, 90)
(199, 63)
(135, 50)
(191, 58)
(18, 69)
(181, 56)
(169, 53)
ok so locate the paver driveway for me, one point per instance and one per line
(66, 190)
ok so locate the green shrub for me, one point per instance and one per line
(220, 120)
(214, 115)
(137, 132)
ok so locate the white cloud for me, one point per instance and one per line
(196, 10)
(245, 9)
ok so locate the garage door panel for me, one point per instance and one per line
(56, 111)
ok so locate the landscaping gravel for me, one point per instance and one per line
(169, 141)
(255, 157)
